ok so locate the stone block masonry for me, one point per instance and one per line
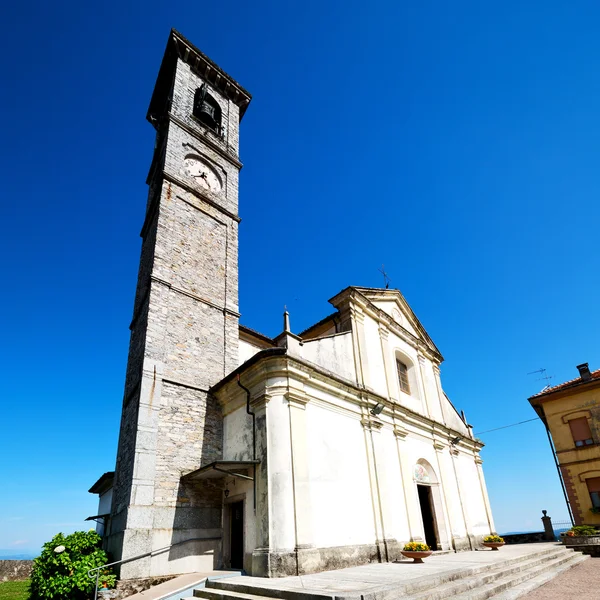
(15, 570)
(184, 331)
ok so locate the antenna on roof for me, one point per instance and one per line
(386, 279)
(543, 377)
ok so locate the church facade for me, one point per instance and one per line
(328, 448)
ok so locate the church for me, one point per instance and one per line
(310, 451)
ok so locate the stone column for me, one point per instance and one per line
(425, 401)
(260, 554)
(388, 362)
(306, 558)
(440, 393)
(282, 527)
(460, 544)
(484, 494)
(360, 345)
(372, 428)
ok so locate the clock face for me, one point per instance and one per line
(204, 175)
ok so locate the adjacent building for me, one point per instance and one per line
(288, 455)
(571, 413)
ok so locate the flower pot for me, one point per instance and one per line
(417, 556)
(493, 545)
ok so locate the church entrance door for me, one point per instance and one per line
(428, 515)
(237, 534)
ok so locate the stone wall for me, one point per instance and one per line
(15, 570)
(525, 538)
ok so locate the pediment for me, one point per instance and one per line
(393, 303)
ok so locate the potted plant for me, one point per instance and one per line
(417, 551)
(493, 541)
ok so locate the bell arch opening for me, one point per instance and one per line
(206, 109)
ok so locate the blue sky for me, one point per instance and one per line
(456, 143)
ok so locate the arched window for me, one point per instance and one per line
(403, 376)
(207, 109)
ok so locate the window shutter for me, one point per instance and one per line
(593, 484)
(580, 429)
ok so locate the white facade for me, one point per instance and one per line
(339, 483)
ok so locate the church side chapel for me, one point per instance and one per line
(311, 451)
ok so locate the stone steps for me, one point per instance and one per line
(488, 582)
(506, 584)
(505, 579)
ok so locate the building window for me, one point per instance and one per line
(580, 430)
(593, 486)
(403, 376)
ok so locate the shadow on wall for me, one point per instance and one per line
(198, 512)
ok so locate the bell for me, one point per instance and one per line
(205, 109)
(207, 114)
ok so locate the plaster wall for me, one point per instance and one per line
(340, 490)
(334, 353)
(453, 495)
(237, 435)
(577, 463)
(399, 348)
(104, 504)
(389, 473)
(473, 499)
(246, 351)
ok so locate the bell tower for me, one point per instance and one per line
(184, 330)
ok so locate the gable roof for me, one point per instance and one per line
(572, 383)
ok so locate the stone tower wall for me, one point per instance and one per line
(184, 339)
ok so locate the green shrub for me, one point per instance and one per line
(583, 530)
(64, 575)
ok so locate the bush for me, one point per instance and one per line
(64, 575)
(582, 530)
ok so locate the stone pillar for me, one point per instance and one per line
(282, 534)
(260, 554)
(548, 529)
(460, 544)
(425, 401)
(360, 347)
(388, 362)
(486, 499)
(306, 558)
(372, 428)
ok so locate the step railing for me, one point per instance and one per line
(95, 572)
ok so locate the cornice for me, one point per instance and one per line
(194, 296)
(371, 424)
(276, 362)
(205, 140)
(296, 399)
(198, 194)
